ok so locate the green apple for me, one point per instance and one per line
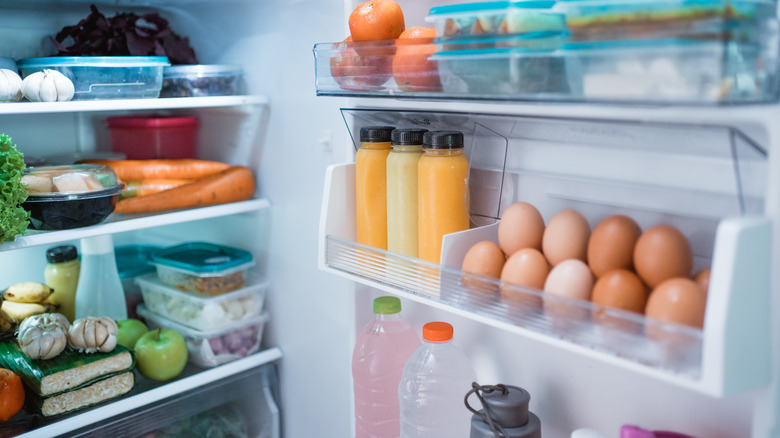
(128, 332)
(161, 354)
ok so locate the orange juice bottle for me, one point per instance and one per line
(442, 179)
(402, 191)
(371, 185)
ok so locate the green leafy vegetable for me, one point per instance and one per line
(13, 218)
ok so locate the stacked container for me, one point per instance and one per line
(207, 293)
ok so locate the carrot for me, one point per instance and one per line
(233, 184)
(136, 170)
(146, 187)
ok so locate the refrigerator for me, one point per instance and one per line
(706, 169)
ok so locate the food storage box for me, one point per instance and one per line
(202, 313)
(213, 347)
(672, 71)
(152, 137)
(620, 20)
(63, 197)
(105, 77)
(202, 80)
(133, 261)
(203, 268)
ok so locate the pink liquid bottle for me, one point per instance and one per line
(381, 351)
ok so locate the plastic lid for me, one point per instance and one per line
(150, 122)
(510, 408)
(387, 305)
(133, 260)
(93, 61)
(408, 136)
(60, 254)
(443, 140)
(376, 134)
(203, 70)
(488, 6)
(437, 331)
(202, 257)
(77, 181)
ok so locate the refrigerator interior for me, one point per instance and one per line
(292, 139)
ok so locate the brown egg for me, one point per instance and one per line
(570, 279)
(677, 300)
(661, 253)
(521, 227)
(702, 278)
(611, 245)
(621, 289)
(566, 237)
(484, 258)
(528, 268)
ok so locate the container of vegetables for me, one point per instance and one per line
(63, 197)
(104, 77)
(214, 347)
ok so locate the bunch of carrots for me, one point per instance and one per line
(157, 185)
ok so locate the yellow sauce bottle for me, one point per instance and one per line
(443, 204)
(62, 275)
(371, 185)
(402, 233)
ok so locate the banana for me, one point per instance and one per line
(27, 292)
(16, 312)
(6, 325)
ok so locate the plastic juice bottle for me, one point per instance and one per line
(435, 381)
(99, 292)
(402, 191)
(381, 351)
(371, 185)
(62, 275)
(442, 191)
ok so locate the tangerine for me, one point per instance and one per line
(11, 394)
(376, 20)
(412, 68)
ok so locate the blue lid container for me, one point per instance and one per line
(134, 260)
(204, 259)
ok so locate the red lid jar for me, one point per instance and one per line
(150, 137)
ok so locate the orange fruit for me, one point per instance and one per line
(412, 69)
(360, 68)
(11, 394)
(376, 20)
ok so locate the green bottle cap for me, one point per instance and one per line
(387, 305)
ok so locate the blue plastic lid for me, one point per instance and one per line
(94, 61)
(134, 260)
(203, 258)
(489, 6)
(466, 40)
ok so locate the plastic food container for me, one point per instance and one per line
(213, 347)
(202, 80)
(133, 261)
(62, 197)
(714, 20)
(202, 313)
(203, 268)
(486, 20)
(150, 137)
(105, 77)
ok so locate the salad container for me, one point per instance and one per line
(213, 347)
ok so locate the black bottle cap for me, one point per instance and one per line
(443, 140)
(408, 136)
(375, 134)
(60, 254)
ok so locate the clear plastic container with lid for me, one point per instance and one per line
(213, 347)
(203, 268)
(203, 80)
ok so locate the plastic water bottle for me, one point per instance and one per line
(436, 379)
(381, 350)
(99, 291)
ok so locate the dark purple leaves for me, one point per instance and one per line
(124, 34)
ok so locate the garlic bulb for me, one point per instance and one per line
(92, 334)
(48, 86)
(43, 336)
(10, 86)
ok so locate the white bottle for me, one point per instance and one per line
(99, 292)
(435, 381)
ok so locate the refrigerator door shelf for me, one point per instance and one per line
(716, 360)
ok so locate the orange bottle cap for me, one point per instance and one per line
(437, 331)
